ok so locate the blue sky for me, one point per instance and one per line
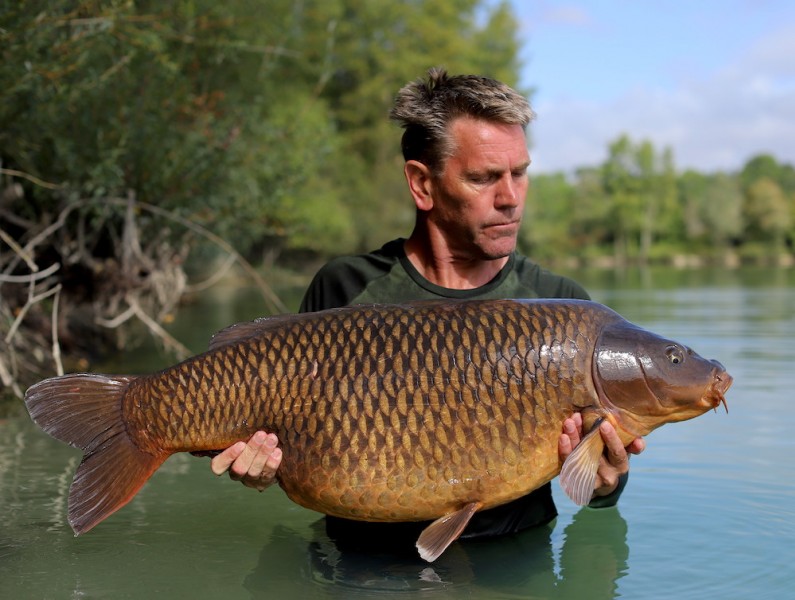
(714, 80)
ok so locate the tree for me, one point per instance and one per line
(767, 213)
(546, 228)
(640, 188)
(692, 193)
(721, 211)
(766, 166)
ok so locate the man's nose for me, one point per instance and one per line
(507, 191)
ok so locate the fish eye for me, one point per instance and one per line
(675, 355)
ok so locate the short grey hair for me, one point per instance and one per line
(426, 107)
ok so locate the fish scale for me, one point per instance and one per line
(387, 412)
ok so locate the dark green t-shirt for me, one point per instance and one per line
(387, 276)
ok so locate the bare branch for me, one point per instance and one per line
(214, 278)
(8, 379)
(44, 234)
(24, 310)
(56, 346)
(143, 279)
(276, 305)
(33, 277)
(31, 178)
(12, 243)
(181, 350)
(118, 320)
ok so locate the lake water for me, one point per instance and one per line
(709, 511)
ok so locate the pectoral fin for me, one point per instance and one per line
(578, 475)
(437, 536)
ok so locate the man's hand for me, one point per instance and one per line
(253, 463)
(615, 460)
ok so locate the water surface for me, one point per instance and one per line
(709, 511)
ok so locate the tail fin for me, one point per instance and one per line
(85, 411)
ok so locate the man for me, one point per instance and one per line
(466, 162)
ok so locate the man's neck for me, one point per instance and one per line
(445, 269)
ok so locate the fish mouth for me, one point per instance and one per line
(721, 382)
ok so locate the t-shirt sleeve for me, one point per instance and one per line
(551, 285)
(343, 279)
(333, 286)
(571, 289)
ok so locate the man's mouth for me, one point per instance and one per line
(504, 229)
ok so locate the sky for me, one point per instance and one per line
(713, 80)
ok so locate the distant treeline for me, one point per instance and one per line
(636, 208)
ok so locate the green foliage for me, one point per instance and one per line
(767, 213)
(766, 166)
(263, 120)
(547, 225)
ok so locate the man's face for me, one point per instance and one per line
(479, 197)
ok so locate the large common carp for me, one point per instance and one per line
(419, 411)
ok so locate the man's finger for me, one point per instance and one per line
(616, 453)
(636, 446)
(220, 464)
(259, 461)
(572, 429)
(564, 446)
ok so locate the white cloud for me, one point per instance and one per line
(715, 123)
(564, 14)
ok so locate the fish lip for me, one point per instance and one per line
(721, 382)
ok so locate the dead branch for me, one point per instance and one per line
(31, 178)
(32, 300)
(274, 302)
(56, 346)
(33, 277)
(170, 341)
(12, 243)
(142, 280)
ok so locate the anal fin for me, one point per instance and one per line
(444, 531)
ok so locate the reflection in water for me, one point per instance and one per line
(592, 557)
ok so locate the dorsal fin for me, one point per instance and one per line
(249, 329)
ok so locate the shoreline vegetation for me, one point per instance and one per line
(69, 311)
(145, 154)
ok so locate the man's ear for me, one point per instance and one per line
(418, 176)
